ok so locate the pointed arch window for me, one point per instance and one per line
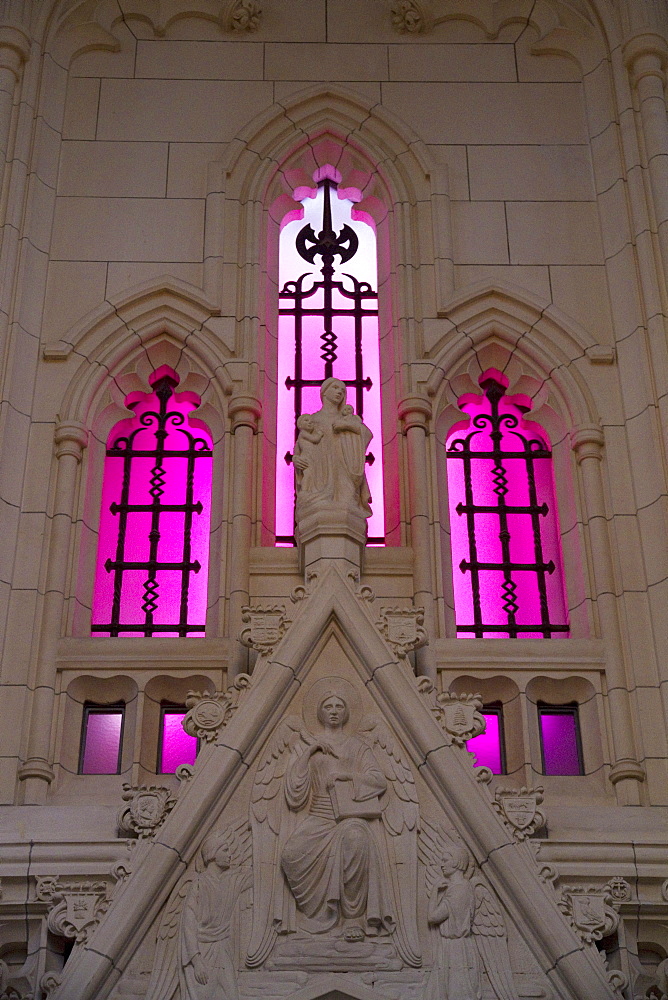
(327, 326)
(153, 548)
(506, 554)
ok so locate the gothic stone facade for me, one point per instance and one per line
(512, 158)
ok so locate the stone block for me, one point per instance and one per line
(199, 60)
(81, 104)
(530, 173)
(128, 229)
(101, 63)
(534, 279)
(479, 232)
(113, 169)
(476, 63)
(582, 292)
(122, 275)
(304, 61)
(188, 163)
(73, 289)
(554, 233)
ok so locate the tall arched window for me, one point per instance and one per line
(327, 326)
(153, 549)
(506, 554)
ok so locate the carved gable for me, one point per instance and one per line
(333, 842)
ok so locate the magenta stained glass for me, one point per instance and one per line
(506, 551)
(153, 548)
(176, 746)
(488, 747)
(560, 741)
(327, 326)
(101, 741)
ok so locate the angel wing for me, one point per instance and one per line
(400, 820)
(164, 980)
(434, 844)
(267, 811)
(489, 929)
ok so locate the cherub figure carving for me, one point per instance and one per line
(334, 817)
(469, 930)
(194, 958)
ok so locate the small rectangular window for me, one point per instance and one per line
(101, 739)
(561, 749)
(489, 747)
(175, 746)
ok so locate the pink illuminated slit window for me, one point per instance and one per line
(506, 551)
(153, 549)
(176, 747)
(327, 326)
(101, 740)
(560, 739)
(489, 747)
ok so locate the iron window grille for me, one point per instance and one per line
(330, 300)
(571, 743)
(85, 748)
(500, 425)
(195, 449)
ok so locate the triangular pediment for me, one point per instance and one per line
(414, 792)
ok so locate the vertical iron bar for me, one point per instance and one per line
(187, 539)
(537, 540)
(496, 435)
(163, 391)
(120, 543)
(473, 547)
(359, 370)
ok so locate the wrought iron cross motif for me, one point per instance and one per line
(334, 301)
(529, 451)
(124, 448)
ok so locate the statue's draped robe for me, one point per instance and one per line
(206, 928)
(459, 962)
(335, 473)
(336, 869)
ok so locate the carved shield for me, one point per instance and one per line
(520, 810)
(265, 628)
(402, 630)
(459, 718)
(147, 808)
(589, 911)
(80, 909)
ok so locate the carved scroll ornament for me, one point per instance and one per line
(78, 906)
(147, 809)
(210, 711)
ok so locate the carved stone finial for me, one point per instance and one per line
(210, 711)
(592, 910)
(78, 906)
(147, 809)
(410, 17)
(519, 809)
(265, 627)
(402, 629)
(242, 15)
(458, 715)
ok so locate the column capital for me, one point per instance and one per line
(415, 411)
(646, 54)
(587, 441)
(70, 437)
(14, 48)
(244, 411)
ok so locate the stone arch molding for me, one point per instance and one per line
(447, 787)
(547, 342)
(134, 322)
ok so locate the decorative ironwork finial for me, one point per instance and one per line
(327, 244)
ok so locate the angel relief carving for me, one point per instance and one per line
(334, 816)
(195, 954)
(467, 922)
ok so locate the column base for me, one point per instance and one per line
(36, 776)
(331, 533)
(627, 776)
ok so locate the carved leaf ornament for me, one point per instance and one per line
(210, 711)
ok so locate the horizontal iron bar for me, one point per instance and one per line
(149, 565)
(120, 627)
(535, 567)
(353, 383)
(371, 540)
(540, 453)
(472, 508)
(134, 508)
(151, 453)
(513, 628)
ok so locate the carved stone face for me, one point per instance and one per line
(333, 712)
(222, 857)
(335, 393)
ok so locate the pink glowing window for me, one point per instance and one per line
(153, 550)
(327, 326)
(506, 551)
(560, 739)
(176, 747)
(489, 747)
(101, 740)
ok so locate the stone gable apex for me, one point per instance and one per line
(573, 969)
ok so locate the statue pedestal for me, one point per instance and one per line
(328, 533)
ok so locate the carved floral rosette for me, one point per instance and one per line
(402, 629)
(210, 711)
(148, 807)
(519, 809)
(410, 17)
(265, 627)
(78, 906)
(592, 910)
(241, 15)
(458, 715)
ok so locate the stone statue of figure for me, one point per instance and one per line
(194, 958)
(329, 455)
(334, 817)
(470, 931)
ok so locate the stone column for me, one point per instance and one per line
(626, 773)
(415, 413)
(70, 440)
(646, 58)
(244, 412)
(14, 51)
